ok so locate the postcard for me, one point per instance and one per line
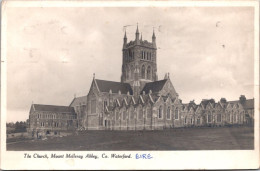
(129, 85)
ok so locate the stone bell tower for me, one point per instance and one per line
(139, 64)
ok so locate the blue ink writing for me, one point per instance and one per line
(143, 156)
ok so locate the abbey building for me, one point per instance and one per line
(141, 101)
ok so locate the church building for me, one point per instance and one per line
(140, 101)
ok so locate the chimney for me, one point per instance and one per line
(223, 100)
(242, 99)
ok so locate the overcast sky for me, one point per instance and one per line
(52, 53)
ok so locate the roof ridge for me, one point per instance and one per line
(51, 105)
(156, 81)
(111, 81)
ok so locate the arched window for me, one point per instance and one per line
(142, 55)
(140, 113)
(93, 106)
(143, 72)
(228, 117)
(218, 117)
(160, 115)
(131, 113)
(148, 73)
(209, 118)
(117, 115)
(129, 73)
(176, 114)
(198, 121)
(124, 115)
(132, 72)
(169, 113)
(149, 111)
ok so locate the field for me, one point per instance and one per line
(221, 138)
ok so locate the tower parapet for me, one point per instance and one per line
(139, 55)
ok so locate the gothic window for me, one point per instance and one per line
(198, 121)
(218, 117)
(129, 72)
(149, 111)
(140, 113)
(143, 72)
(142, 55)
(126, 73)
(93, 106)
(235, 117)
(105, 104)
(176, 114)
(160, 114)
(129, 54)
(209, 118)
(131, 113)
(56, 124)
(185, 120)
(124, 115)
(191, 121)
(132, 72)
(150, 56)
(42, 124)
(149, 73)
(169, 113)
(228, 117)
(117, 115)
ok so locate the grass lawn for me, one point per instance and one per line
(221, 138)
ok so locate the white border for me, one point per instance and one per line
(214, 159)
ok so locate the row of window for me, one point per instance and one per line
(148, 113)
(146, 72)
(146, 55)
(53, 116)
(47, 116)
(54, 124)
(192, 121)
(230, 118)
(130, 55)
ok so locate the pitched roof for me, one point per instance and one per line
(78, 101)
(155, 86)
(106, 86)
(248, 104)
(206, 101)
(53, 108)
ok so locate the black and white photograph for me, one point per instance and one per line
(97, 82)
